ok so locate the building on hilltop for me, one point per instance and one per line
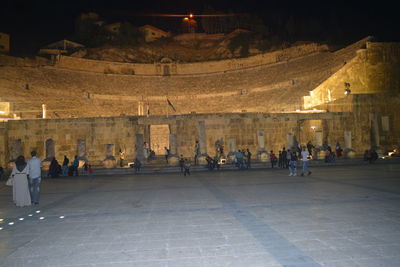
(62, 47)
(152, 33)
(4, 43)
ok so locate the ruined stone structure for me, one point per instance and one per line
(261, 103)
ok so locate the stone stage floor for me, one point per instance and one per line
(338, 216)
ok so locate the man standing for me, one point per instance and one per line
(35, 177)
(121, 158)
(248, 162)
(284, 158)
(166, 154)
(75, 166)
(305, 154)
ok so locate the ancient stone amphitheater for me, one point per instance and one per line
(75, 87)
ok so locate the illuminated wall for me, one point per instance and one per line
(374, 70)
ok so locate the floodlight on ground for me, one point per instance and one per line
(21, 219)
(41, 218)
(1, 228)
(11, 223)
(1, 220)
(38, 211)
(62, 217)
(30, 215)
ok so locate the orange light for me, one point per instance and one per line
(191, 15)
(185, 18)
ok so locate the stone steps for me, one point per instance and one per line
(152, 169)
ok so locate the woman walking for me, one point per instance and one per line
(19, 174)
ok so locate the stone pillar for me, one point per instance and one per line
(318, 138)
(202, 142)
(347, 139)
(262, 155)
(348, 151)
(173, 158)
(44, 108)
(139, 147)
(109, 161)
(290, 141)
(232, 149)
(261, 140)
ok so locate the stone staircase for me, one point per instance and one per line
(159, 166)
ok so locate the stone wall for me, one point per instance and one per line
(98, 134)
(375, 70)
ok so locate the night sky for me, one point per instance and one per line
(35, 23)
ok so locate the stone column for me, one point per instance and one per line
(318, 138)
(44, 108)
(262, 155)
(290, 141)
(232, 149)
(173, 158)
(347, 140)
(202, 142)
(348, 151)
(139, 147)
(109, 161)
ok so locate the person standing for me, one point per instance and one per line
(75, 166)
(272, 159)
(166, 153)
(90, 170)
(289, 155)
(284, 156)
(305, 154)
(248, 162)
(53, 169)
(280, 162)
(292, 163)
(181, 163)
(19, 174)
(65, 166)
(196, 151)
(121, 158)
(187, 168)
(35, 177)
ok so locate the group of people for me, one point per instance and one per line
(370, 155)
(243, 159)
(55, 169)
(287, 159)
(184, 165)
(25, 180)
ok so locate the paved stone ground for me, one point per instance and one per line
(338, 216)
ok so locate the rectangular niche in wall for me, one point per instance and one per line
(110, 151)
(81, 149)
(50, 148)
(16, 149)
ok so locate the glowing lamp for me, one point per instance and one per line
(313, 127)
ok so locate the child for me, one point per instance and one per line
(187, 167)
(90, 170)
(292, 164)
